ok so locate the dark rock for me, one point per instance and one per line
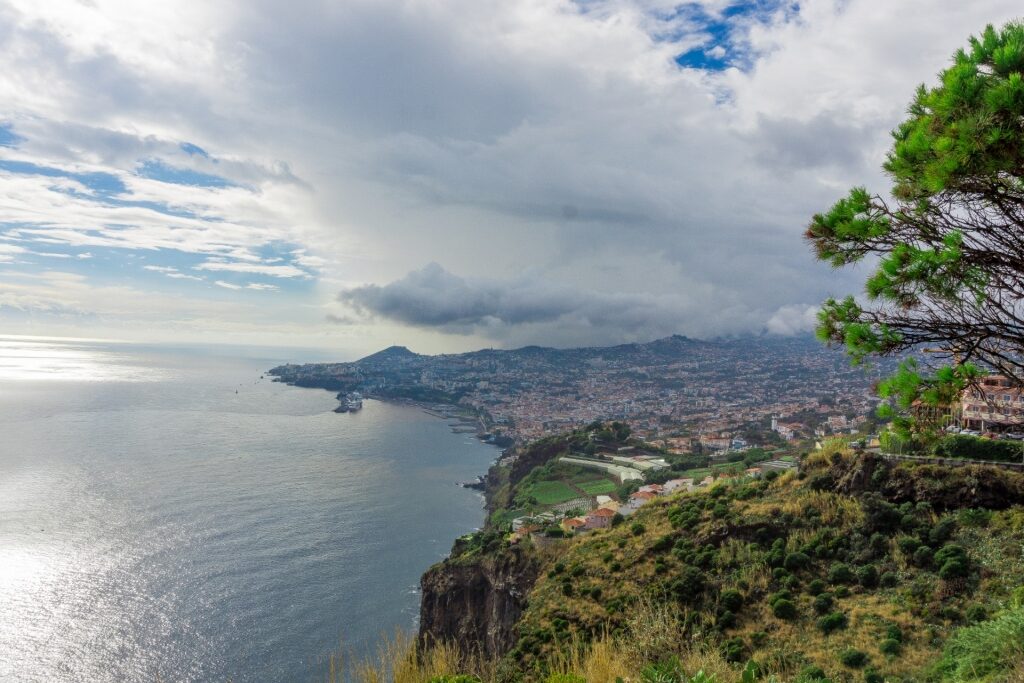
(476, 602)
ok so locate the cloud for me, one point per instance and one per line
(285, 271)
(574, 181)
(262, 287)
(793, 319)
(225, 285)
(172, 273)
(526, 309)
(9, 251)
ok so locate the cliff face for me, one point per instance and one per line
(476, 602)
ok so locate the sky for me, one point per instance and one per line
(442, 174)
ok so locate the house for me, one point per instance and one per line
(656, 489)
(673, 485)
(640, 498)
(754, 472)
(571, 525)
(600, 518)
(522, 532)
(603, 500)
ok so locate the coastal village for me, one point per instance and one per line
(677, 393)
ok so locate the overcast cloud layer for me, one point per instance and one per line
(442, 174)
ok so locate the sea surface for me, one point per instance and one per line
(166, 514)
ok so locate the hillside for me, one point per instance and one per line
(853, 569)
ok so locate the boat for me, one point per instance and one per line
(354, 401)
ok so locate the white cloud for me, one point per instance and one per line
(225, 285)
(285, 271)
(493, 137)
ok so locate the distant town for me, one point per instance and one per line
(675, 393)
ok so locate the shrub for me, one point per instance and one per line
(637, 528)
(832, 622)
(689, 585)
(888, 580)
(823, 603)
(726, 619)
(567, 589)
(907, 544)
(894, 632)
(975, 517)
(841, 592)
(784, 609)
(923, 557)
(781, 595)
(812, 673)
(952, 561)
(953, 569)
(974, 448)
(662, 544)
(796, 561)
(867, 576)
(890, 647)
(941, 532)
(853, 658)
(816, 587)
(872, 676)
(976, 613)
(840, 573)
(758, 638)
(951, 613)
(734, 650)
(617, 519)
(731, 599)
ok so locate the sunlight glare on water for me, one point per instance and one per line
(173, 514)
(39, 358)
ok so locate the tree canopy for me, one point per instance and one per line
(948, 239)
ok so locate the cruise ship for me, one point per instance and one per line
(354, 401)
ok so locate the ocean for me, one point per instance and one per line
(167, 514)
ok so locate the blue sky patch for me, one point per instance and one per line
(720, 50)
(8, 138)
(104, 184)
(194, 150)
(155, 169)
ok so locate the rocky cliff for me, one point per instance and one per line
(476, 601)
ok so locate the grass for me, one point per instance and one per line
(989, 651)
(597, 488)
(698, 473)
(551, 492)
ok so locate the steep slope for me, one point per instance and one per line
(793, 574)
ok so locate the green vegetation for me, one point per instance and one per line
(943, 273)
(781, 580)
(598, 487)
(975, 448)
(987, 651)
(786, 575)
(549, 492)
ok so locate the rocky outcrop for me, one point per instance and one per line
(945, 488)
(475, 602)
